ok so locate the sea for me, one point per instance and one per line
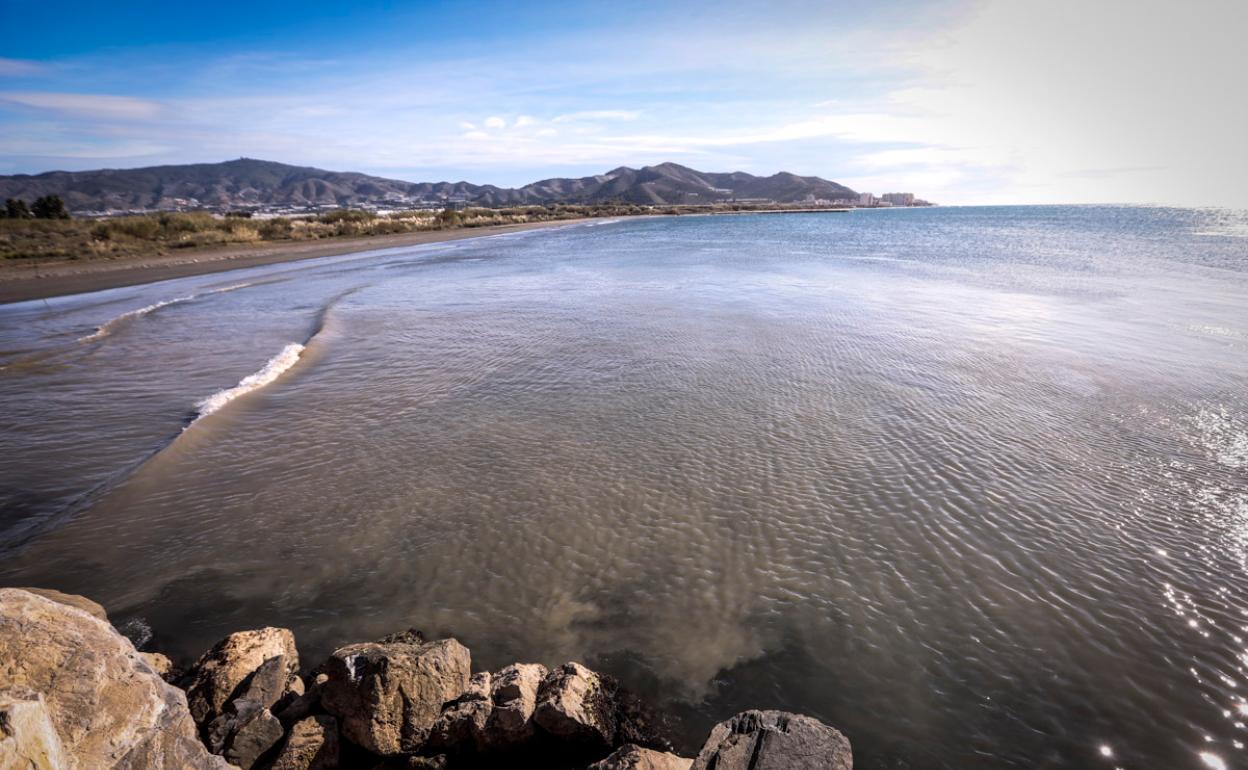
(968, 483)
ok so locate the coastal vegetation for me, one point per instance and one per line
(56, 238)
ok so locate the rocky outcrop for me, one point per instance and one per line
(215, 679)
(76, 695)
(632, 757)
(388, 695)
(73, 600)
(774, 740)
(105, 704)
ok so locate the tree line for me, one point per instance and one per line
(47, 207)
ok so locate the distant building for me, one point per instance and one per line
(866, 199)
(899, 199)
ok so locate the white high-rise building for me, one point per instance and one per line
(866, 199)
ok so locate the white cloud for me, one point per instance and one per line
(524, 120)
(86, 105)
(495, 122)
(465, 125)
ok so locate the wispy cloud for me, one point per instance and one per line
(598, 115)
(86, 105)
(20, 67)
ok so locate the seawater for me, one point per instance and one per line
(970, 484)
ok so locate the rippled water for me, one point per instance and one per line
(970, 484)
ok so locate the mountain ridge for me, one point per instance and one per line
(252, 183)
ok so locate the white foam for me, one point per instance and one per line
(271, 371)
(107, 327)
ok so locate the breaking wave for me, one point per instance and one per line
(271, 371)
(108, 326)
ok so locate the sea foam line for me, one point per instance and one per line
(271, 371)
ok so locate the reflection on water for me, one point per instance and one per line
(967, 483)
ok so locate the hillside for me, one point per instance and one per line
(247, 183)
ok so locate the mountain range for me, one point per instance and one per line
(249, 183)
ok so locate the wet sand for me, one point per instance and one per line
(37, 280)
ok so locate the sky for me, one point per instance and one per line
(958, 101)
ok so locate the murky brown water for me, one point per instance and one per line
(969, 484)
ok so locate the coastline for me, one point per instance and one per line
(23, 282)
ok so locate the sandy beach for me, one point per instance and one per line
(21, 281)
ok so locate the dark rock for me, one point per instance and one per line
(514, 695)
(774, 740)
(388, 696)
(253, 736)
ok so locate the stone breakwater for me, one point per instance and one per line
(76, 695)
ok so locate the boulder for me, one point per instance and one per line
(312, 744)
(461, 725)
(215, 679)
(514, 693)
(304, 704)
(387, 696)
(107, 706)
(774, 740)
(435, 762)
(28, 739)
(73, 600)
(158, 663)
(577, 705)
(633, 757)
(255, 731)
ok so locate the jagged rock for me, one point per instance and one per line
(253, 736)
(311, 745)
(632, 757)
(214, 679)
(73, 600)
(108, 708)
(304, 704)
(774, 740)
(28, 740)
(271, 682)
(387, 696)
(575, 704)
(514, 693)
(461, 725)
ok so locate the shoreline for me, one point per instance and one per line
(25, 282)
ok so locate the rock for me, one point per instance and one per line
(158, 663)
(252, 737)
(461, 725)
(632, 757)
(436, 762)
(271, 682)
(304, 704)
(73, 600)
(214, 679)
(311, 745)
(28, 739)
(575, 704)
(387, 696)
(106, 705)
(774, 740)
(514, 693)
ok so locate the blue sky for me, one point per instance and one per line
(956, 100)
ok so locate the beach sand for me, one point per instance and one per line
(21, 281)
